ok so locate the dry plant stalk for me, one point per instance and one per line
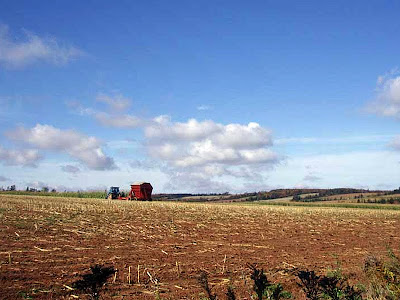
(129, 275)
(178, 268)
(115, 275)
(223, 266)
(138, 274)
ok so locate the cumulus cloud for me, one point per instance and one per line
(27, 157)
(70, 169)
(33, 48)
(163, 129)
(387, 100)
(202, 152)
(117, 102)
(86, 149)
(195, 143)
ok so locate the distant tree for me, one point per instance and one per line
(296, 198)
(45, 189)
(12, 188)
(53, 191)
(27, 188)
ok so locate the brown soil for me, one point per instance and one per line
(46, 244)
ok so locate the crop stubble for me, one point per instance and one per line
(48, 242)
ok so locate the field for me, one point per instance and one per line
(47, 243)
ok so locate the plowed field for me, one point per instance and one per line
(47, 243)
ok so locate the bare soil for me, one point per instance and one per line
(46, 244)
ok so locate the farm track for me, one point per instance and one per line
(48, 242)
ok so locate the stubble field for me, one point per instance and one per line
(159, 248)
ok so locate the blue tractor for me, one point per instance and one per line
(113, 193)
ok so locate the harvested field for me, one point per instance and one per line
(48, 242)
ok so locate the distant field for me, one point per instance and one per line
(78, 194)
(48, 242)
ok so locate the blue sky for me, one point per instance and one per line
(200, 96)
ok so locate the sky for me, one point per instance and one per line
(200, 96)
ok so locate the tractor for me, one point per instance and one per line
(113, 193)
(139, 191)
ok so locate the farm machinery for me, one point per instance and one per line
(139, 191)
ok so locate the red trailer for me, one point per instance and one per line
(140, 191)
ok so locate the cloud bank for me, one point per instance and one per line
(195, 155)
(199, 154)
(86, 149)
(195, 143)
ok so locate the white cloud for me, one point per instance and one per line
(117, 102)
(33, 48)
(86, 149)
(387, 100)
(195, 143)
(70, 169)
(163, 129)
(28, 157)
(204, 151)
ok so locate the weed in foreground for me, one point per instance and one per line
(261, 286)
(260, 281)
(93, 282)
(309, 283)
(264, 288)
(203, 281)
(333, 286)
